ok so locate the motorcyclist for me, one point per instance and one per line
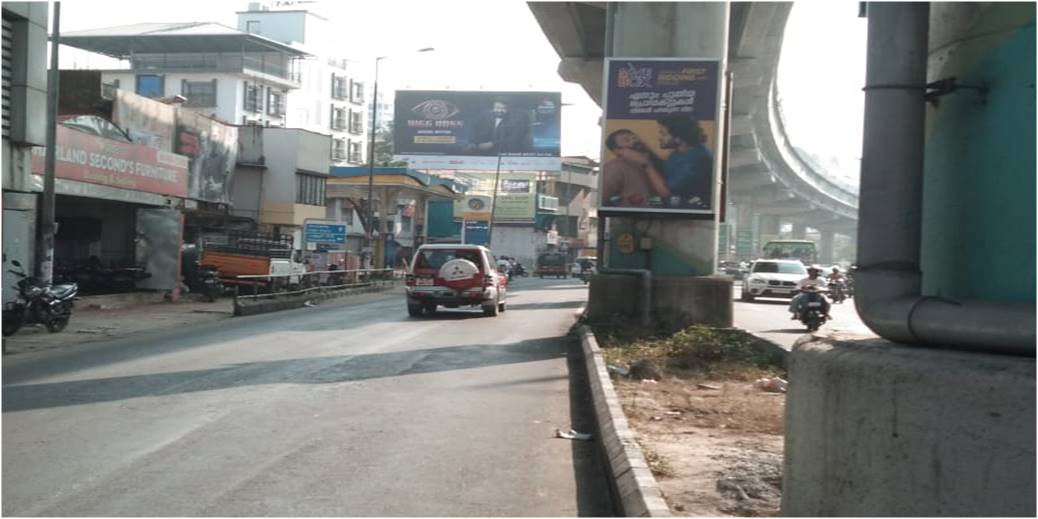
(836, 276)
(813, 281)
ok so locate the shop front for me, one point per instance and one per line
(118, 207)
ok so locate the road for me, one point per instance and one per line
(339, 410)
(769, 318)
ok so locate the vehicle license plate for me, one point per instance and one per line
(812, 305)
(424, 282)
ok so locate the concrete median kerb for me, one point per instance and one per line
(287, 303)
(638, 492)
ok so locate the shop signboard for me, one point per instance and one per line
(478, 130)
(660, 136)
(96, 160)
(476, 232)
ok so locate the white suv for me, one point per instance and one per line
(455, 275)
(773, 278)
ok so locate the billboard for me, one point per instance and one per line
(516, 197)
(660, 136)
(212, 148)
(146, 121)
(474, 130)
(88, 158)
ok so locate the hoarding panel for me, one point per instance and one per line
(660, 136)
(471, 130)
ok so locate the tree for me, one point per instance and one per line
(384, 146)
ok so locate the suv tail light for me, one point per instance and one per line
(488, 281)
(409, 280)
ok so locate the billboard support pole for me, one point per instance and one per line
(493, 203)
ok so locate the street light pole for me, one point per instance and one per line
(493, 202)
(371, 159)
(371, 166)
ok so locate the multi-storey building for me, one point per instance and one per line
(331, 97)
(234, 76)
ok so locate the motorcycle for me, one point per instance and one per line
(812, 313)
(519, 270)
(209, 277)
(837, 291)
(585, 275)
(39, 303)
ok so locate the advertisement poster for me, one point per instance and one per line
(96, 160)
(660, 136)
(470, 130)
(212, 148)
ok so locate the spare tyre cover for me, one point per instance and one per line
(460, 274)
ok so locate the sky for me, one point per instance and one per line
(498, 45)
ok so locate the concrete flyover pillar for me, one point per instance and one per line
(825, 247)
(667, 247)
(770, 225)
(799, 231)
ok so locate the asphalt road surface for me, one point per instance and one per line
(348, 410)
(769, 318)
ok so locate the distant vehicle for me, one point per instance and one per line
(773, 278)
(802, 250)
(552, 264)
(584, 267)
(455, 275)
(256, 254)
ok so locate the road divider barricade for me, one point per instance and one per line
(271, 293)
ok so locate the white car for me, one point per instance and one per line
(773, 278)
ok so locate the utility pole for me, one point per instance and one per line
(493, 202)
(47, 227)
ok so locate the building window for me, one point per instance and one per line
(253, 99)
(199, 93)
(356, 92)
(356, 122)
(339, 86)
(354, 152)
(150, 85)
(339, 117)
(310, 189)
(274, 102)
(338, 149)
(252, 27)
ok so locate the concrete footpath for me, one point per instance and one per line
(103, 322)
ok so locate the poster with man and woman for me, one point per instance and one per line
(660, 136)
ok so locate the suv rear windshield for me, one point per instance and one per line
(771, 267)
(435, 258)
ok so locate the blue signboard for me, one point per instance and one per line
(477, 232)
(325, 233)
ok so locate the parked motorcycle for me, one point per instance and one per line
(39, 303)
(209, 278)
(812, 310)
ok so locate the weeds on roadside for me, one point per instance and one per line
(659, 465)
(694, 350)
